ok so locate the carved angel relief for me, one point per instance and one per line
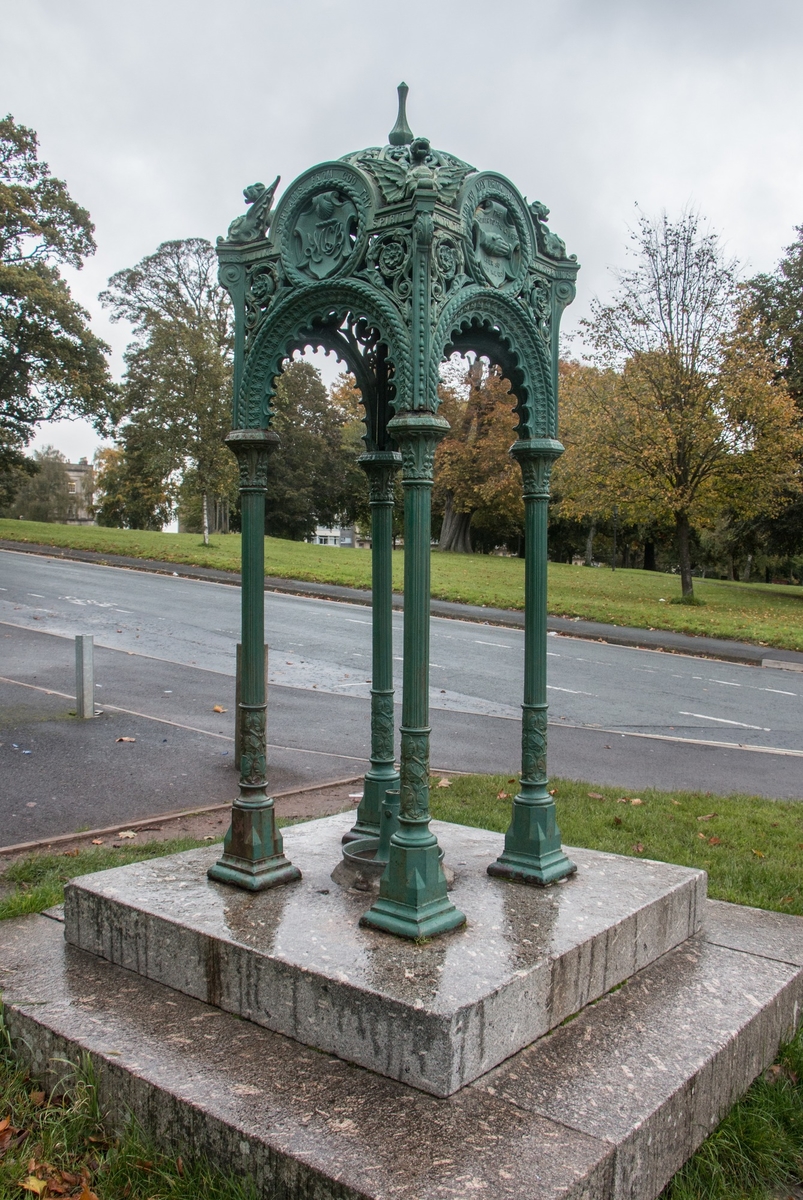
(401, 169)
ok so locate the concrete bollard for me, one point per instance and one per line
(237, 697)
(84, 675)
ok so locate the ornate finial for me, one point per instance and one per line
(401, 134)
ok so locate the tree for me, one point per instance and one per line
(679, 416)
(477, 483)
(44, 494)
(133, 487)
(177, 385)
(51, 364)
(313, 476)
(776, 302)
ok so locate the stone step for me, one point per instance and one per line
(437, 1016)
(607, 1107)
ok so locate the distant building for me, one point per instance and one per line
(339, 535)
(81, 490)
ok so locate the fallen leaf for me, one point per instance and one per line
(71, 853)
(180, 1166)
(444, 782)
(638, 848)
(512, 780)
(707, 817)
(86, 1194)
(4, 1124)
(126, 833)
(503, 795)
(209, 837)
(759, 853)
(787, 900)
(37, 1098)
(715, 841)
(677, 802)
(218, 708)
(636, 800)
(595, 796)
(32, 1184)
(56, 1187)
(97, 841)
(125, 739)
(553, 791)
(623, 800)
(702, 835)
(617, 820)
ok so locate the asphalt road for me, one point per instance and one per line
(629, 717)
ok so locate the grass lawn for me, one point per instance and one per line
(767, 614)
(751, 848)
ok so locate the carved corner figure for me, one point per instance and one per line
(254, 224)
(394, 258)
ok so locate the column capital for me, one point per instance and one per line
(380, 466)
(418, 434)
(536, 458)
(252, 448)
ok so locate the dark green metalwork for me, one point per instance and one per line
(395, 257)
(252, 850)
(380, 466)
(533, 851)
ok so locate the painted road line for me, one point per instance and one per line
(725, 721)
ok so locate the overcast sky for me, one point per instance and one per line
(157, 113)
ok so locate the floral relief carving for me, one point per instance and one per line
(415, 775)
(253, 761)
(533, 744)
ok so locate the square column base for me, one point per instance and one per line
(533, 853)
(253, 853)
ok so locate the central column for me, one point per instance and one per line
(533, 852)
(380, 466)
(413, 900)
(253, 856)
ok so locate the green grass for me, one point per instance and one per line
(61, 1138)
(37, 881)
(767, 614)
(755, 860)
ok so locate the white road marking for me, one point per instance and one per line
(501, 645)
(571, 691)
(724, 721)
(356, 621)
(725, 682)
(36, 595)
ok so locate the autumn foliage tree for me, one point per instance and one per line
(679, 416)
(477, 483)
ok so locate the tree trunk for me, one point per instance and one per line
(684, 554)
(205, 505)
(649, 556)
(748, 566)
(589, 555)
(456, 529)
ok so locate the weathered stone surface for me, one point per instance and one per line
(656, 1065)
(770, 935)
(301, 1123)
(437, 1015)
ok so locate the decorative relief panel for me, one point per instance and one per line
(499, 230)
(321, 223)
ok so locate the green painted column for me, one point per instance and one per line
(533, 852)
(253, 856)
(413, 901)
(380, 466)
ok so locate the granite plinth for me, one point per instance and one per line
(605, 1108)
(436, 1016)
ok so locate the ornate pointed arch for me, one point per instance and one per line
(362, 326)
(500, 328)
